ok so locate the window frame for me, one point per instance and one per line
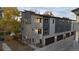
(60, 37)
(53, 21)
(50, 40)
(39, 31)
(67, 35)
(45, 20)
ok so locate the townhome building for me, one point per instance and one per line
(47, 32)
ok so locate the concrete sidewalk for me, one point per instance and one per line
(75, 46)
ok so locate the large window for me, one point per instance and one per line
(46, 20)
(49, 40)
(59, 37)
(45, 32)
(38, 20)
(39, 31)
(67, 35)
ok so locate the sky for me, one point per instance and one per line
(57, 11)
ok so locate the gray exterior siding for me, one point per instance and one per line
(25, 20)
(62, 25)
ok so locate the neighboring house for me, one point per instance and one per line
(53, 33)
(76, 12)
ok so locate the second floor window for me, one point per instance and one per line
(45, 31)
(38, 20)
(46, 20)
(39, 31)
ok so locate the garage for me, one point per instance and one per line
(49, 40)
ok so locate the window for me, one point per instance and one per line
(67, 35)
(38, 20)
(49, 40)
(45, 32)
(27, 21)
(39, 31)
(36, 30)
(46, 20)
(65, 21)
(59, 37)
(53, 21)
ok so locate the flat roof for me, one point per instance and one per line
(63, 18)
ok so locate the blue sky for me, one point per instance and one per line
(57, 11)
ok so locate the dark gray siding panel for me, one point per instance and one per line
(62, 25)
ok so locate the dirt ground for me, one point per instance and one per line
(17, 46)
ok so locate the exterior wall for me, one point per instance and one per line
(29, 31)
(76, 11)
(77, 27)
(62, 25)
(52, 26)
(26, 28)
(35, 36)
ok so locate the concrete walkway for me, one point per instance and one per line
(75, 46)
(5, 47)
